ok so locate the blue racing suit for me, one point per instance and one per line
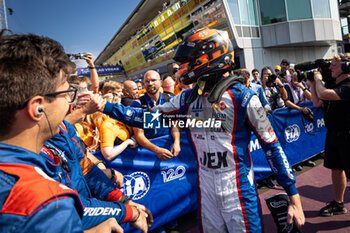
(220, 134)
(30, 200)
(98, 193)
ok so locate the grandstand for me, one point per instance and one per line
(261, 35)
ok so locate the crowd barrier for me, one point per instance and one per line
(169, 188)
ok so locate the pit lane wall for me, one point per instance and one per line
(169, 188)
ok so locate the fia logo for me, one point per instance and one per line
(151, 120)
(292, 133)
(136, 185)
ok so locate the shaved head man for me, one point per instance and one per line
(130, 92)
(151, 98)
(152, 83)
(169, 85)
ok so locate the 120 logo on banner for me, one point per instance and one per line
(172, 174)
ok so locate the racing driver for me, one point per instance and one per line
(228, 197)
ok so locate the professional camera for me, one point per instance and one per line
(271, 80)
(275, 94)
(77, 55)
(322, 65)
(345, 66)
(307, 75)
(282, 74)
(304, 70)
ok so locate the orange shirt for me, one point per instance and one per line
(110, 129)
(87, 137)
(177, 90)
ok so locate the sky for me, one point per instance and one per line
(79, 25)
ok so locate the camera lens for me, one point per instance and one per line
(271, 78)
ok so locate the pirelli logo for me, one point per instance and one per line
(101, 211)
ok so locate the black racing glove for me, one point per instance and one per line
(278, 205)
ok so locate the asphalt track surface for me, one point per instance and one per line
(315, 188)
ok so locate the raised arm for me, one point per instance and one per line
(314, 97)
(93, 73)
(322, 92)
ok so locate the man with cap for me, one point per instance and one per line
(284, 64)
(277, 69)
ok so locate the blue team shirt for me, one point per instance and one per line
(152, 133)
(259, 90)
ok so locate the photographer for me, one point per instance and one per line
(274, 89)
(335, 101)
(297, 93)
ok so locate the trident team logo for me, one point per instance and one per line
(136, 185)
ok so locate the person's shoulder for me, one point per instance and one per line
(253, 84)
(69, 127)
(256, 86)
(167, 96)
(136, 103)
(126, 101)
(238, 87)
(240, 91)
(32, 190)
(36, 210)
(168, 93)
(109, 122)
(186, 90)
(183, 95)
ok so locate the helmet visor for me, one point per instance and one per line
(186, 51)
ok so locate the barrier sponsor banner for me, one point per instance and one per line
(170, 189)
(100, 70)
(299, 142)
